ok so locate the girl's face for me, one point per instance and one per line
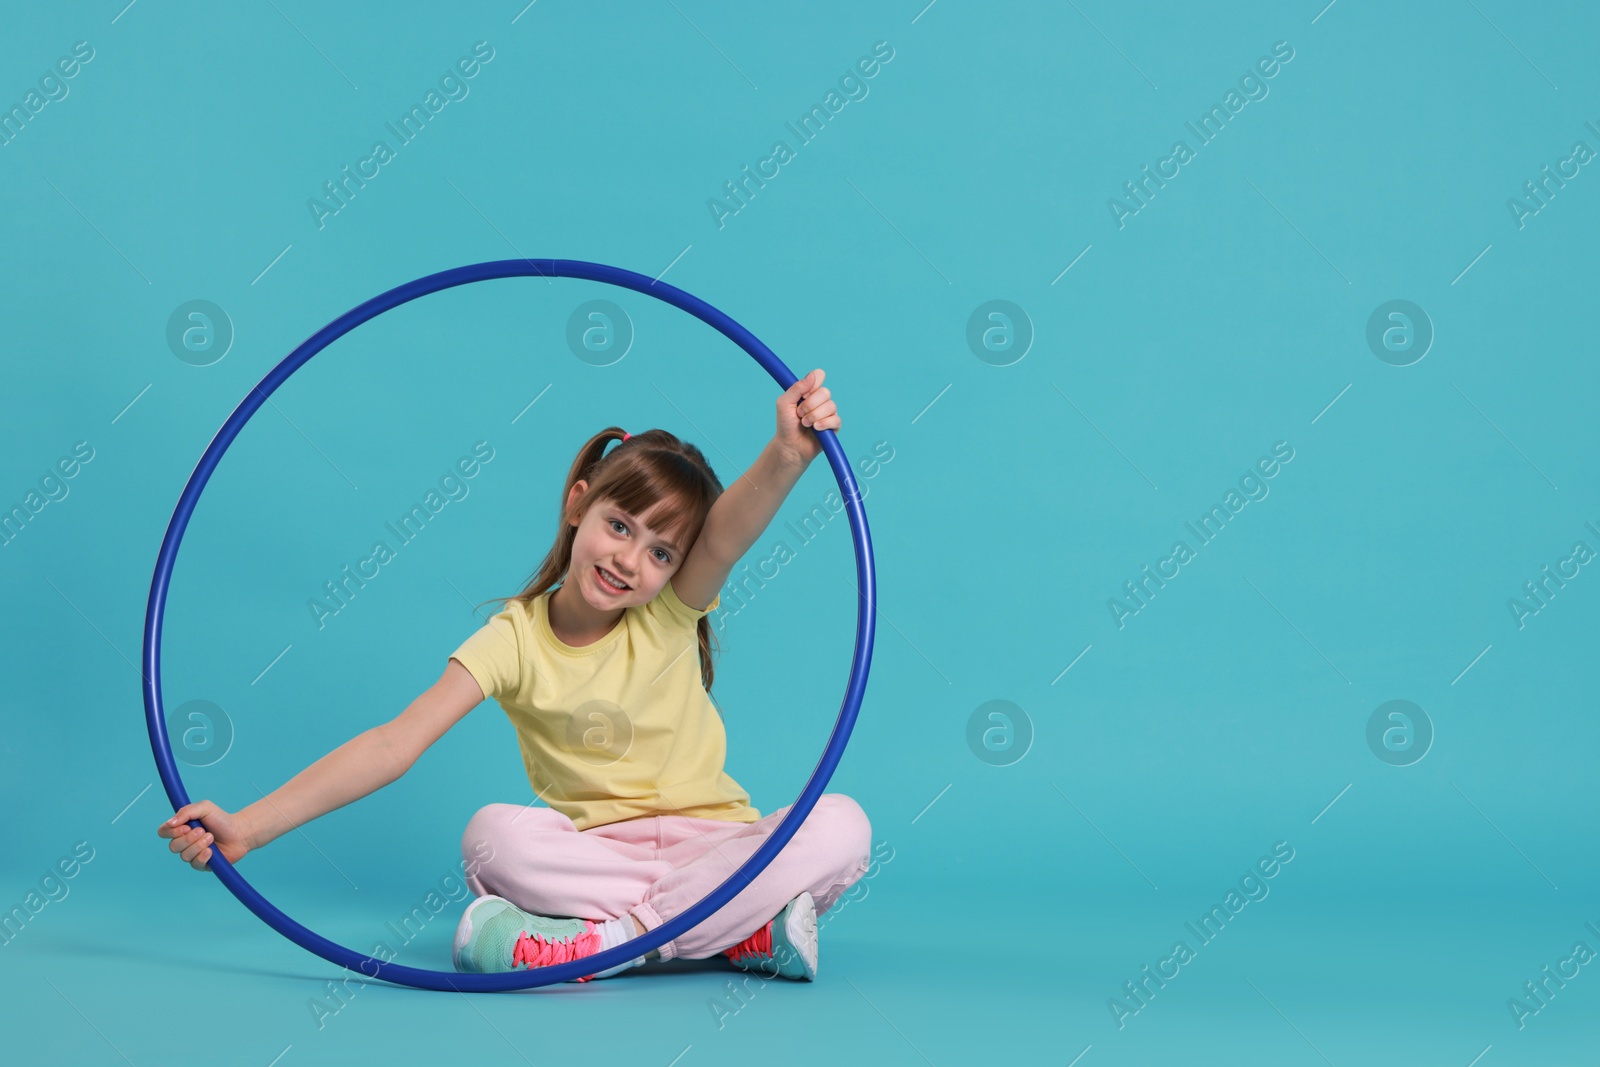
(612, 544)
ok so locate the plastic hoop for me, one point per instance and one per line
(866, 617)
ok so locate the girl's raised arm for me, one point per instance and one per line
(364, 764)
(748, 505)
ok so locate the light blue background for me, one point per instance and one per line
(1230, 313)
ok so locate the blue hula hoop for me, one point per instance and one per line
(866, 617)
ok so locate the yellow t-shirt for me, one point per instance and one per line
(618, 729)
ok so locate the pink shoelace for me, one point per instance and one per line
(535, 951)
(757, 944)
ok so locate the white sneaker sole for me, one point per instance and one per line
(800, 931)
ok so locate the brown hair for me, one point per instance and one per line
(650, 468)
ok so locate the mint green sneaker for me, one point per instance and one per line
(495, 935)
(786, 946)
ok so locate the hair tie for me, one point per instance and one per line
(626, 435)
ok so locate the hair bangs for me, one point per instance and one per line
(663, 490)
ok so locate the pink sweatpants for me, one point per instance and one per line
(655, 868)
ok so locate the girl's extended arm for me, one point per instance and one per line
(748, 505)
(364, 764)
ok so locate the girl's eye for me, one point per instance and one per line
(664, 557)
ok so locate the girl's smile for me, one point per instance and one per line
(617, 589)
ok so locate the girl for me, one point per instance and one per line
(617, 730)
